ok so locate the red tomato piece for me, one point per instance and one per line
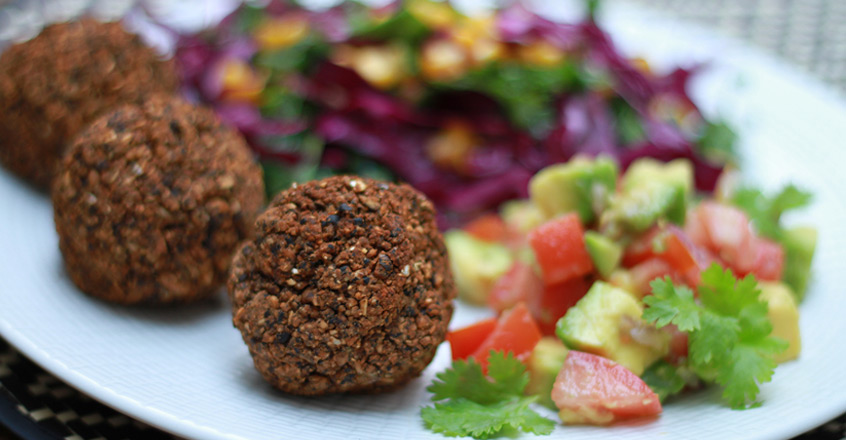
(671, 244)
(515, 332)
(559, 246)
(593, 390)
(729, 235)
(519, 284)
(556, 300)
(679, 250)
(769, 260)
(641, 249)
(653, 268)
(489, 227)
(465, 341)
(694, 228)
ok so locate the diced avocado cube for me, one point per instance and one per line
(544, 364)
(784, 315)
(650, 190)
(623, 279)
(799, 246)
(604, 252)
(581, 185)
(677, 172)
(606, 321)
(521, 215)
(476, 265)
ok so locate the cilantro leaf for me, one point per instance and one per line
(664, 379)
(765, 212)
(670, 304)
(728, 329)
(721, 292)
(462, 417)
(470, 403)
(718, 142)
(466, 380)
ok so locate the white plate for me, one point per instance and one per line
(187, 371)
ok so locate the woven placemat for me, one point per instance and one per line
(808, 33)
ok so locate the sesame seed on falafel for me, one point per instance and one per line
(58, 82)
(152, 201)
(345, 288)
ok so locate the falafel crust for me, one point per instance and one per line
(58, 82)
(152, 202)
(346, 287)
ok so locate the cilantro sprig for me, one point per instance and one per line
(728, 329)
(470, 403)
(765, 212)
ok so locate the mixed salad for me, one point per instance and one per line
(464, 107)
(615, 292)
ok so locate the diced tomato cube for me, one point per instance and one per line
(515, 332)
(489, 227)
(465, 341)
(641, 249)
(653, 268)
(729, 235)
(671, 244)
(769, 260)
(593, 390)
(556, 300)
(559, 246)
(519, 284)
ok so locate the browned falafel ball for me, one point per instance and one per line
(151, 203)
(55, 84)
(345, 288)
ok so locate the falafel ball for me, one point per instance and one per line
(345, 288)
(152, 201)
(55, 84)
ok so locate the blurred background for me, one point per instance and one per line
(810, 34)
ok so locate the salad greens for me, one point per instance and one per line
(470, 403)
(730, 342)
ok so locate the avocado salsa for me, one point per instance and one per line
(634, 287)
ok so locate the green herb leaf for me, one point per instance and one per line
(469, 403)
(462, 417)
(664, 379)
(765, 212)
(670, 304)
(525, 92)
(798, 243)
(718, 142)
(728, 330)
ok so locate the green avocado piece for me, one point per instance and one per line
(800, 243)
(650, 190)
(606, 321)
(544, 364)
(476, 265)
(604, 252)
(678, 172)
(784, 315)
(581, 185)
(521, 215)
